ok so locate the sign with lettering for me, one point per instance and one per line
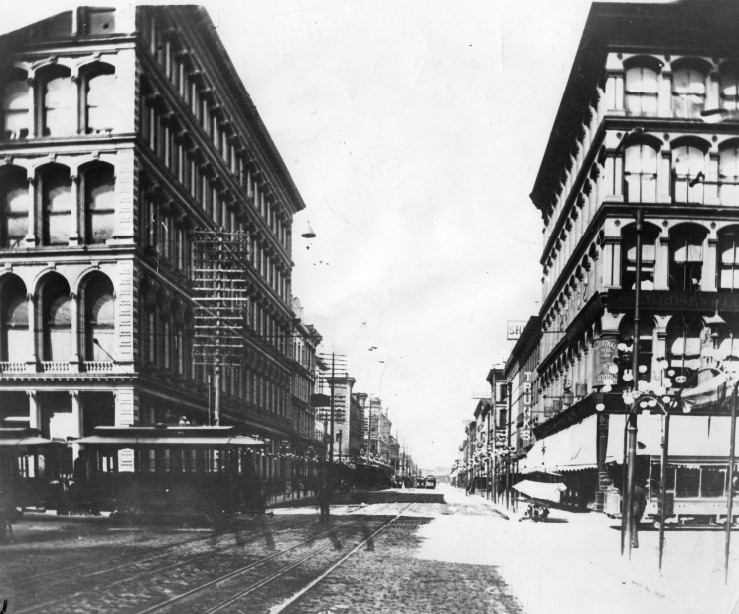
(605, 352)
(514, 329)
(664, 300)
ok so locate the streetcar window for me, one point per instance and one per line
(656, 474)
(688, 481)
(713, 480)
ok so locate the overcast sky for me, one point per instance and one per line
(414, 130)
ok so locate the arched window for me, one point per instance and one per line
(688, 172)
(100, 98)
(17, 105)
(686, 257)
(640, 173)
(56, 320)
(728, 174)
(728, 259)
(688, 91)
(99, 206)
(14, 339)
(56, 204)
(99, 318)
(641, 89)
(14, 205)
(58, 102)
(683, 345)
(650, 235)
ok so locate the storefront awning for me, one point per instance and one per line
(540, 490)
(571, 449)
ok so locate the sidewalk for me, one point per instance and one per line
(572, 563)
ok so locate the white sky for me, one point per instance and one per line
(414, 130)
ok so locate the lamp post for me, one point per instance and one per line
(730, 485)
(631, 420)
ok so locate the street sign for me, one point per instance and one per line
(514, 329)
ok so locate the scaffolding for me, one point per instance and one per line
(220, 290)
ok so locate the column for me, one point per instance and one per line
(74, 330)
(32, 236)
(75, 238)
(32, 360)
(76, 426)
(662, 264)
(708, 276)
(34, 410)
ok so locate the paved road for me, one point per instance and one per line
(409, 551)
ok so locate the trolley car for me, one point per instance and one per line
(695, 491)
(30, 467)
(179, 470)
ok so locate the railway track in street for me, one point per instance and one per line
(207, 597)
(137, 562)
(136, 580)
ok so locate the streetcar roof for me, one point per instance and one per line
(23, 437)
(161, 435)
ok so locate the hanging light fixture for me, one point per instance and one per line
(308, 232)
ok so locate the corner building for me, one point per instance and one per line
(648, 126)
(124, 133)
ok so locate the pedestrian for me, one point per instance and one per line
(638, 505)
(324, 501)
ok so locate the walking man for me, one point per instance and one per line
(638, 505)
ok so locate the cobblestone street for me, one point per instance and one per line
(393, 551)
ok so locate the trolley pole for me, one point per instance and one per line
(626, 516)
(509, 387)
(730, 485)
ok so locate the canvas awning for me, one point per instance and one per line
(570, 449)
(711, 391)
(540, 490)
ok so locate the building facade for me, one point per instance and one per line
(127, 134)
(644, 150)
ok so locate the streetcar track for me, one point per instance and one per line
(262, 582)
(201, 589)
(136, 553)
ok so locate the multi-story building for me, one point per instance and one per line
(127, 136)
(644, 149)
(305, 444)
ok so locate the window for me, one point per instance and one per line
(640, 173)
(641, 90)
(686, 257)
(728, 259)
(100, 96)
(56, 204)
(730, 89)
(683, 345)
(14, 340)
(56, 320)
(728, 174)
(713, 480)
(688, 165)
(650, 235)
(99, 316)
(688, 91)
(688, 479)
(59, 101)
(17, 105)
(99, 205)
(15, 207)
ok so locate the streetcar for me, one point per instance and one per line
(179, 470)
(31, 467)
(430, 482)
(695, 491)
